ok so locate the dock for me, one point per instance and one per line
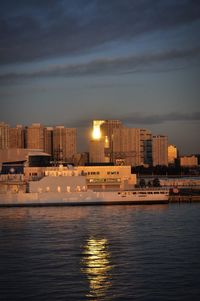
(184, 198)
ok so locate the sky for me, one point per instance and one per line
(69, 62)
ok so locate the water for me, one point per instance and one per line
(100, 253)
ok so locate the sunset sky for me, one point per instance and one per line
(68, 62)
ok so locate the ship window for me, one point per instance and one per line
(156, 192)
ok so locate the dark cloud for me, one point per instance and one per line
(145, 62)
(31, 30)
(140, 119)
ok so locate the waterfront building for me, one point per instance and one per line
(186, 182)
(35, 136)
(17, 137)
(64, 143)
(13, 160)
(160, 150)
(4, 135)
(188, 161)
(172, 154)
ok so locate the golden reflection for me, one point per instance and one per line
(97, 267)
(96, 133)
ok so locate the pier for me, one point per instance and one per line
(184, 198)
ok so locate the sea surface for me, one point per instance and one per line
(100, 253)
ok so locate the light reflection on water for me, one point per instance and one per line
(97, 267)
(100, 253)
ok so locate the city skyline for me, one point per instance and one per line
(17, 136)
(70, 62)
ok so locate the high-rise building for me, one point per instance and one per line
(64, 143)
(71, 143)
(172, 154)
(146, 146)
(133, 145)
(121, 144)
(4, 135)
(35, 136)
(101, 145)
(16, 137)
(48, 140)
(59, 141)
(127, 146)
(107, 131)
(160, 150)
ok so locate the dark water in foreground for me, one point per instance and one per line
(100, 253)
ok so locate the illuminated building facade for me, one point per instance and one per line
(188, 161)
(107, 129)
(122, 145)
(101, 145)
(172, 154)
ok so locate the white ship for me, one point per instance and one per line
(142, 196)
(82, 196)
(71, 189)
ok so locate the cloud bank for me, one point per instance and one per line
(136, 118)
(35, 30)
(153, 62)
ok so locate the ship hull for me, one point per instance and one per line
(84, 198)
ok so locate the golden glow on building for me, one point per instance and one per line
(97, 266)
(96, 133)
(172, 153)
